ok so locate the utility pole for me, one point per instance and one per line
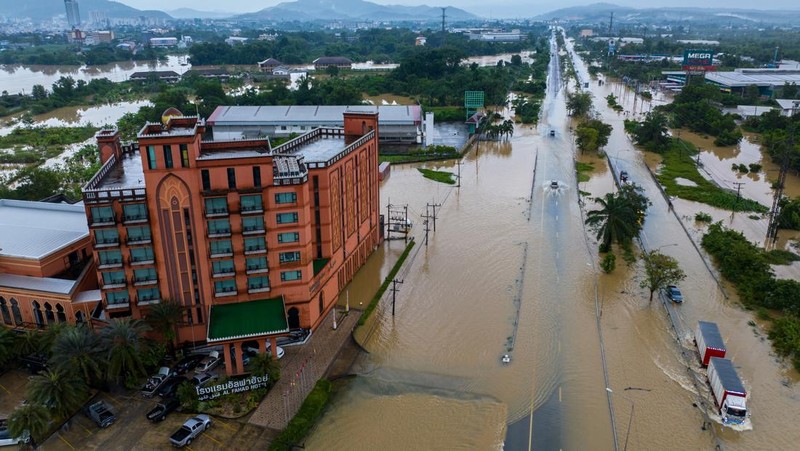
(433, 206)
(774, 213)
(397, 220)
(394, 292)
(738, 193)
(426, 223)
(458, 163)
(443, 16)
(611, 24)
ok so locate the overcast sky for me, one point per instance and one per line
(483, 8)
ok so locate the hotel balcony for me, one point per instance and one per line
(252, 210)
(219, 233)
(120, 283)
(134, 219)
(223, 274)
(118, 305)
(99, 244)
(142, 281)
(256, 270)
(102, 222)
(139, 261)
(260, 230)
(148, 300)
(225, 292)
(251, 250)
(138, 240)
(109, 264)
(216, 212)
(258, 289)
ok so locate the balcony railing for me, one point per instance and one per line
(134, 219)
(225, 291)
(253, 230)
(105, 221)
(148, 300)
(106, 243)
(141, 281)
(139, 240)
(252, 209)
(259, 288)
(224, 273)
(118, 283)
(114, 263)
(141, 260)
(257, 269)
(249, 250)
(124, 304)
(216, 212)
(216, 233)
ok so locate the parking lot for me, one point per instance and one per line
(12, 391)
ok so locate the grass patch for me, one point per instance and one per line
(678, 163)
(582, 168)
(703, 217)
(781, 257)
(438, 176)
(373, 303)
(431, 153)
(311, 409)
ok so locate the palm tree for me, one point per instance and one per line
(164, 319)
(264, 364)
(8, 350)
(50, 335)
(122, 342)
(33, 418)
(616, 220)
(78, 349)
(30, 342)
(62, 391)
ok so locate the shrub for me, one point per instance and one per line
(609, 263)
(703, 217)
(754, 167)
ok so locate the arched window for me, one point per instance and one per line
(5, 311)
(48, 313)
(37, 315)
(62, 317)
(16, 312)
(79, 318)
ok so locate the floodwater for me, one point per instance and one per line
(74, 116)
(20, 79)
(507, 271)
(655, 392)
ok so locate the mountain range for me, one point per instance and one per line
(47, 9)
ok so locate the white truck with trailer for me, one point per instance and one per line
(728, 391)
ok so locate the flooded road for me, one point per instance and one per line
(506, 272)
(653, 390)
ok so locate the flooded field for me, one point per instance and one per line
(75, 116)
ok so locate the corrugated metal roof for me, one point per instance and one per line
(45, 284)
(758, 77)
(320, 115)
(711, 335)
(727, 374)
(88, 296)
(37, 229)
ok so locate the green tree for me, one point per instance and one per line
(579, 103)
(332, 71)
(30, 342)
(164, 318)
(39, 92)
(122, 342)
(660, 270)
(620, 217)
(33, 418)
(264, 364)
(652, 133)
(8, 348)
(78, 349)
(63, 392)
(587, 139)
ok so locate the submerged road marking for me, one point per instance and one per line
(559, 393)
(65, 441)
(212, 438)
(226, 425)
(4, 388)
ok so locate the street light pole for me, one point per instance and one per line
(630, 419)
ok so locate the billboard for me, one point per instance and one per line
(698, 60)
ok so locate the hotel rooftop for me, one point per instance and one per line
(35, 230)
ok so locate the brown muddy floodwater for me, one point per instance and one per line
(653, 368)
(74, 116)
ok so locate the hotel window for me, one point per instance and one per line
(113, 278)
(144, 275)
(286, 218)
(225, 286)
(257, 283)
(288, 276)
(254, 244)
(217, 206)
(253, 224)
(288, 257)
(106, 236)
(147, 294)
(110, 257)
(219, 227)
(151, 157)
(222, 267)
(134, 212)
(168, 156)
(231, 178)
(288, 237)
(184, 156)
(251, 203)
(141, 254)
(257, 176)
(206, 179)
(117, 297)
(256, 263)
(285, 198)
(102, 215)
(138, 234)
(221, 247)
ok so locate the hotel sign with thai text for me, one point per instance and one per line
(698, 60)
(230, 387)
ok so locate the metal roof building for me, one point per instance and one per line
(37, 229)
(765, 79)
(397, 123)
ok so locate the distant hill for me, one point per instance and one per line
(189, 13)
(600, 12)
(311, 10)
(46, 9)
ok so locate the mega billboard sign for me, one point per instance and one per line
(230, 387)
(698, 60)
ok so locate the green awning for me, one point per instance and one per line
(247, 319)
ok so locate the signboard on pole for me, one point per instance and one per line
(698, 60)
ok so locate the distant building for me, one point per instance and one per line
(102, 37)
(236, 40)
(325, 62)
(168, 76)
(268, 65)
(73, 14)
(421, 40)
(496, 36)
(219, 74)
(767, 80)
(163, 42)
(752, 110)
(587, 33)
(789, 107)
(47, 275)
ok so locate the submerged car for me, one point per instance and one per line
(674, 294)
(554, 184)
(623, 176)
(552, 133)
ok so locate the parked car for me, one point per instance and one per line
(191, 428)
(100, 412)
(279, 353)
(34, 362)
(208, 363)
(170, 387)
(7, 440)
(188, 363)
(155, 381)
(250, 351)
(674, 294)
(160, 411)
(203, 378)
